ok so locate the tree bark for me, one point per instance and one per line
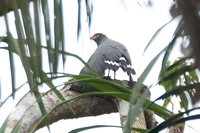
(81, 107)
(88, 106)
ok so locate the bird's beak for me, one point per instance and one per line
(92, 37)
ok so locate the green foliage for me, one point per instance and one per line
(179, 78)
(179, 73)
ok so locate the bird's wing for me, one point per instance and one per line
(113, 51)
(96, 61)
(109, 50)
(116, 52)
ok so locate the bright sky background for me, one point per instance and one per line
(124, 21)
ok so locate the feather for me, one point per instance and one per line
(110, 55)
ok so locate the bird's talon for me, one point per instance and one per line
(106, 77)
(130, 84)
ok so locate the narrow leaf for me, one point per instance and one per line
(45, 9)
(155, 34)
(12, 66)
(79, 19)
(92, 127)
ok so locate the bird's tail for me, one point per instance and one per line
(129, 71)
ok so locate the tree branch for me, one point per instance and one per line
(81, 107)
(88, 106)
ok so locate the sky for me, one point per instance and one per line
(125, 21)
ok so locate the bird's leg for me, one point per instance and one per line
(114, 74)
(108, 72)
(108, 76)
(130, 83)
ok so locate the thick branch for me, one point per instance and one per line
(88, 106)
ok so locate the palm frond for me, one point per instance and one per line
(12, 66)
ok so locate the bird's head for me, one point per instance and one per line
(98, 38)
